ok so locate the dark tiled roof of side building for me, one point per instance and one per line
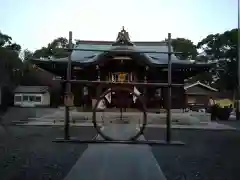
(31, 89)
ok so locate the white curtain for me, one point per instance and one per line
(109, 96)
(101, 104)
(136, 91)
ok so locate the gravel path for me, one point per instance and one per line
(207, 155)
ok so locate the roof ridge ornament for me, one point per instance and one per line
(123, 38)
(123, 35)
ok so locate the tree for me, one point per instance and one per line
(27, 55)
(56, 49)
(186, 46)
(10, 64)
(4, 39)
(223, 47)
(6, 42)
(202, 58)
(42, 53)
(211, 45)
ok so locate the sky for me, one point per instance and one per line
(35, 23)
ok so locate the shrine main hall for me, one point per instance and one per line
(124, 61)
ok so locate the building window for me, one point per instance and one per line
(25, 98)
(38, 98)
(18, 98)
(31, 98)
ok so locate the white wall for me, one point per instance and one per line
(45, 100)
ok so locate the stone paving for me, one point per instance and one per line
(117, 161)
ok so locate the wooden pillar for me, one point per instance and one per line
(145, 81)
(98, 79)
(146, 73)
(98, 88)
(68, 90)
(98, 73)
(169, 103)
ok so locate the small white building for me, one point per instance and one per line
(31, 96)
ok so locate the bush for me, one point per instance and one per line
(220, 113)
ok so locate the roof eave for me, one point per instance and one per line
(201, 84)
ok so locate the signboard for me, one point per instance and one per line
(69, 100)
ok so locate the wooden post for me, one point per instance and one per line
(169, 100)
(98, 87)
(68, 89)
(145, 81)
(146, 73)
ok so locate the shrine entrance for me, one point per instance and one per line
(119, 124)
(121, 99)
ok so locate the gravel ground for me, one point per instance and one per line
(207, 155)
(27, 153)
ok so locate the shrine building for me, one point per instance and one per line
(122, 60)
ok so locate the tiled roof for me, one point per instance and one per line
(91, 51)
(198, 83)
(88, 56)
(31, 89)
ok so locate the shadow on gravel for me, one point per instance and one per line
(207, 155)
(19, 114)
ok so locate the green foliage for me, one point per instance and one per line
(223, 47)
(186, 46)
(56, 49)
(4, 39)
(10, 63)
(27, 55)
(6, 42)
(202, 58)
